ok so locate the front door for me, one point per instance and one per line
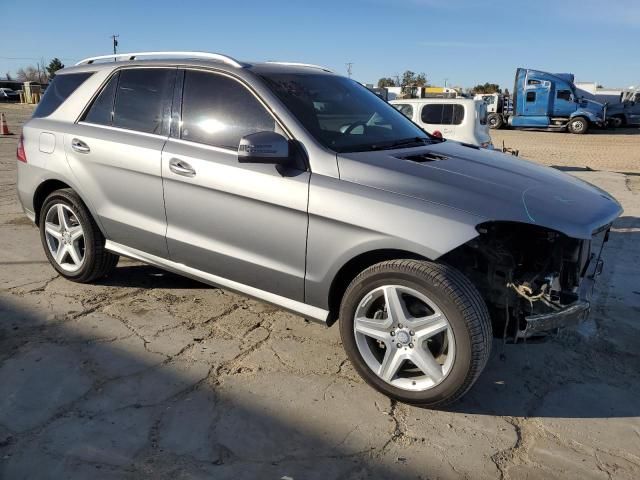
(243, 222)
(115, 152)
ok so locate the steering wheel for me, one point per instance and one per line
(351, 127)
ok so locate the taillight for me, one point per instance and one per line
(22, 156)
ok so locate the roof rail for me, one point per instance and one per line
(132, 56)
(296, 64)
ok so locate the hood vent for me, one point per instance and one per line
(425, 157)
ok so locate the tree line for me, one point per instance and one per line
(37, 74)
(411, 79)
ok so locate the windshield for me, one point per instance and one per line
(343, 115)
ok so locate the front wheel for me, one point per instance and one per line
(578, 125)
(417, 331)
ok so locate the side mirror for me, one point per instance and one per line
(263, 147)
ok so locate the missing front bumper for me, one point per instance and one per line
(569, 316)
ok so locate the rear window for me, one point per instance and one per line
(58, 91)
(442, 114)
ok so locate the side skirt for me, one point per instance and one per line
(307, 311)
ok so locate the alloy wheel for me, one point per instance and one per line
(404, 337)
(65, 237)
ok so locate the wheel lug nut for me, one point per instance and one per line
(399, 345)
(399, 325)
(393, 333)
(412, 333)
(411, 345)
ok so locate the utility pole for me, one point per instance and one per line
(445, 82)
(349, 65)
(115, 43)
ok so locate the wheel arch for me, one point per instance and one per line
(353, 267)
(50, 185)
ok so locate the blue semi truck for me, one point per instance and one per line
(545, 101)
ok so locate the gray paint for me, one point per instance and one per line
(283, 234)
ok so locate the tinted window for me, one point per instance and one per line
(405, 109)
(532, 81)
(219, 111)
(531, 96)
(458, 114)
(432, 113)
(442, 114)
(564, 95)
(143, 100)
(101, 112)
(341, 114)
(58, 91)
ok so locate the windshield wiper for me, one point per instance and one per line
(402, 143)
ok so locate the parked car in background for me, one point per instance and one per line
(300, 187)
(9, 95)
(459, 119)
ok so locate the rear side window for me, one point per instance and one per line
(143, 100)
(101, 112)
(442, 114)
(531, 97)
(564, 95)
(219, 111)
(58, 91)
(137, 99)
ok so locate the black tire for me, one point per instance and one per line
(98, 262)
(456, 297)
(494, 120)
(619, 121)
(578, 125)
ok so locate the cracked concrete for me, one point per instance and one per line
(149, 375)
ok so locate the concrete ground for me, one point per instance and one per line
(149, 375)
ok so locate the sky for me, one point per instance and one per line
(462, 42)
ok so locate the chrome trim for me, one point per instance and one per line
(126, 130)
(229, 151)
(297, 64)
(299, 308)
(132, 56)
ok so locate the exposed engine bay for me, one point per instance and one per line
(527, 274)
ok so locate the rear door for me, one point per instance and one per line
(240, 221)
(115, 149)
(443, 117)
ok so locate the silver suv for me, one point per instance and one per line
(302, 188)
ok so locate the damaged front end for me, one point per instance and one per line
(533, 279)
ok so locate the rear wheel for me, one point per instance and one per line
(417, 331)
(578, 125)
(71, 239)
(495, 120)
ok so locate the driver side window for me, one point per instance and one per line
(219, 111)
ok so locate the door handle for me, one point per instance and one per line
(180, 167)
(79, 146)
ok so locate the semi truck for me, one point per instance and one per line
(627, 112)
(546, 101)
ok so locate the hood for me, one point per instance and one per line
(489, 184)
